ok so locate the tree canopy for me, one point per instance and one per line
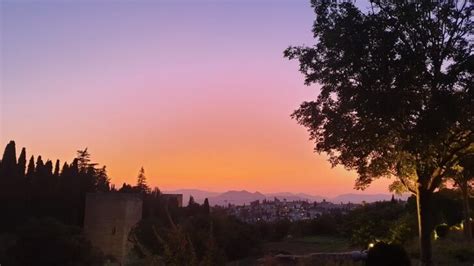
(396, 87)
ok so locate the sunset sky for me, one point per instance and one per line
(196, 92)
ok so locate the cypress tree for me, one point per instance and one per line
(74, 190)
(22, 163)
(40, 178)
(48, 168)
(206, 207)
(191, 201)
(9, 165)
(39, 166)
(74, 168)
(65, 169)
(393, 199)
(56, 169)
(193, 208)
(10, 204)
(31, 168)
(64, 178)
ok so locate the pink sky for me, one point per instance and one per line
(196, 92)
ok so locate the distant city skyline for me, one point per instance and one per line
(198, 93)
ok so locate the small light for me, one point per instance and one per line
(371, 245)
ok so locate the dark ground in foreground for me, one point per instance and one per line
(453, 250)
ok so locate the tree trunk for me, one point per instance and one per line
(425, 224)
(467, 216)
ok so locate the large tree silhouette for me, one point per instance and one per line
(396, 93)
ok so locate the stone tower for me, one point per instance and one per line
(177, 197)
(108, 219)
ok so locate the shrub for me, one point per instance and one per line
(374, 222)
(388, 255)
(404, 229)
(442, 230)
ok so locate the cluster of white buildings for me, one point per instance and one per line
(275, 210)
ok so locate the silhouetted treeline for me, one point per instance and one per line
(45, 189)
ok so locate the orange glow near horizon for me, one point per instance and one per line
(256, 156)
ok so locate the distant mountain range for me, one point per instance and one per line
(245, 197)
(198, 195)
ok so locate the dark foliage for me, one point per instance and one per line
(212, 237)
(276, 231)
(325, 225)
(387, 255)
(47, 241)
(238, 239)
(448, 209)
(378, 221)
(442, 230)
(44, 192)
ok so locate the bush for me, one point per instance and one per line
(388, 255)
(404, 229)
(237, 239)
(442, 230)
(277, 231)
(375, 222)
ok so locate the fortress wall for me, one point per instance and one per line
(109, 217)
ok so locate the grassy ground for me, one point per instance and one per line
(305, 245)
(301, 246)
(452, 250)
